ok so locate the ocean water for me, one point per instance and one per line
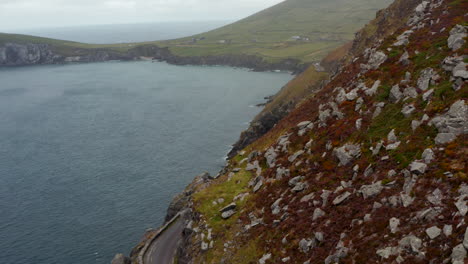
(91, 154)
(124, 33)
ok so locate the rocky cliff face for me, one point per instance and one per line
(371, 169)
(12, 54)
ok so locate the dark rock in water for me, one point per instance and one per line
(120, 259)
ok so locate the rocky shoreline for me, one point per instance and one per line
(14, 54)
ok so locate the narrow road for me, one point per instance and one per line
(163, 249)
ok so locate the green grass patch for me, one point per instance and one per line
(384, 93)
(226, 189)
(390, 118)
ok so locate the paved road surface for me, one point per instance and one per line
(163, 249)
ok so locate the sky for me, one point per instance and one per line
(20, 14)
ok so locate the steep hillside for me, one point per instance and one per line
(297, 90)
(296, 29)
(371, 169)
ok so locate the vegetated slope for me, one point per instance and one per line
(303, 87)
(372, 169)
(301, 29)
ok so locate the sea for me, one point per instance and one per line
(92, 154)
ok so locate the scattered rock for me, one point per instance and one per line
(406, 200)
(204, 246)
(452, 123)
(465, 239)
(340, 253)
(460, 71)
(275, 208)
(418, 167)
(427, 95)
(410, 92)
(317, 214)
(229, 207)
(228, 214)
(444, 138)
(393, 146)
(264, 258)
(347, 153)
(304, 127)
(306, 244)
(271, 156)
(457, 37)
(371, 190)
(411, 243)
(325, 194)
(341, 198)
(324, 115)
(282, 172)
(258, 186)
(387, 252)
(376, 58)
(435, 197)
(393, 225)
(378, 147)
(408, 110)
(295, 155)
(294, 181)
(433, 232)
(307, 198)
(458, 254)
(391, 137)
(425, 78)
(447, 230)
(359, 124)
(395, 94)
(428, 155)
(299, 187)
(404, 59)
(402, 40)
(373, 90)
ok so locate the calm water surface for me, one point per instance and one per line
(91, 154)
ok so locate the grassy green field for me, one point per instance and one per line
(321, 25)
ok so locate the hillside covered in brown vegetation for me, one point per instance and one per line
(370, 168)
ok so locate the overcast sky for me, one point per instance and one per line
(55, 13)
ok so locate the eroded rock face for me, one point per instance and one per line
(12, 54)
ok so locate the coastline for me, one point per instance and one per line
(14, 54)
